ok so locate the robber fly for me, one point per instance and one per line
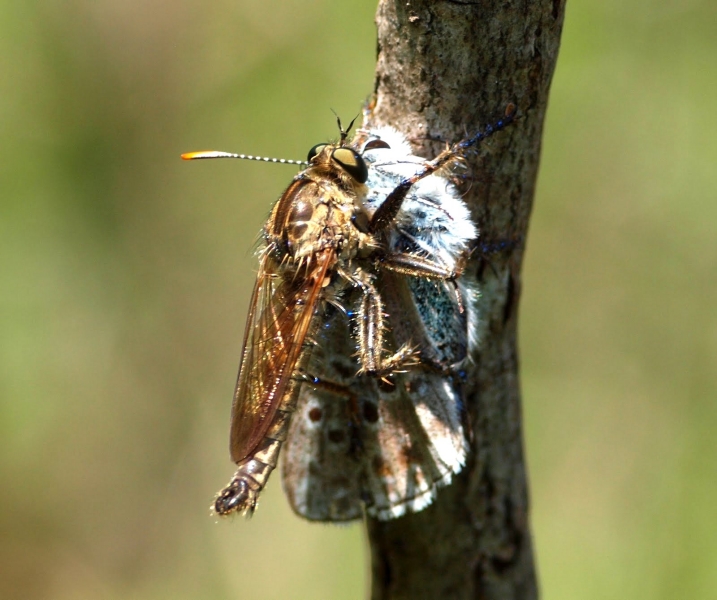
(358, 326)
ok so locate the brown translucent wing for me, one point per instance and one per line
(280, 316)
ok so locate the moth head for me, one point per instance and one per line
(384, 138)
(375, 144)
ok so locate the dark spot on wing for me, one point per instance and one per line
(370, 412)
(315, 414)
(380, 466)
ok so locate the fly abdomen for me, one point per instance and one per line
(242, 492)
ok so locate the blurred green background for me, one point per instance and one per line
(125, 277)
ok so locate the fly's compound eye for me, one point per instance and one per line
(374, 144)
(352, 163)
(316, 150)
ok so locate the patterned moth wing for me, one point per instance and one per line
(358, 442)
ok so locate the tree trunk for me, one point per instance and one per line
(444, 70)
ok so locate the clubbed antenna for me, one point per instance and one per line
(508, 118)
(386, 213)
(218, 154)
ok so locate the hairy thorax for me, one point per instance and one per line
(319, 211)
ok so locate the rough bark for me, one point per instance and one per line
(446, 68)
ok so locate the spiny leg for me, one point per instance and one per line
(386, 213)
(370, 330)
(426, 268)
(419, 266)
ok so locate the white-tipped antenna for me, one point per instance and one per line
(218, 154)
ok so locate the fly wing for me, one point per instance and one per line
(280, 317)
(357, 443)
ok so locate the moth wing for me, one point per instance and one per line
(416, 445)
(322, 464)
(280, 316)
(356, 444)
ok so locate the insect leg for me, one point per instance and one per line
(370, 330)
(418, 266)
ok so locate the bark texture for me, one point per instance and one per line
(445, 69)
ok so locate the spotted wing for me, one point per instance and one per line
(280, 317)
(358, 444)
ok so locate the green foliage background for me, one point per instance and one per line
(125, 277)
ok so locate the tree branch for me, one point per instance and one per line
(446, 69)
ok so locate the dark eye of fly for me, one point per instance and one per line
(315, 150)
(373, 144)
(352, 163)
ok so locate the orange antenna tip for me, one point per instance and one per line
(206, 154)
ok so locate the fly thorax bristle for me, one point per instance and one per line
(457, 163)
(366, 245)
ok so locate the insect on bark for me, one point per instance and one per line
(359, 324)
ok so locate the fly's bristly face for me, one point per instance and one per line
(359, 326)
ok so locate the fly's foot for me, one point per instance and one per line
(407, 356)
